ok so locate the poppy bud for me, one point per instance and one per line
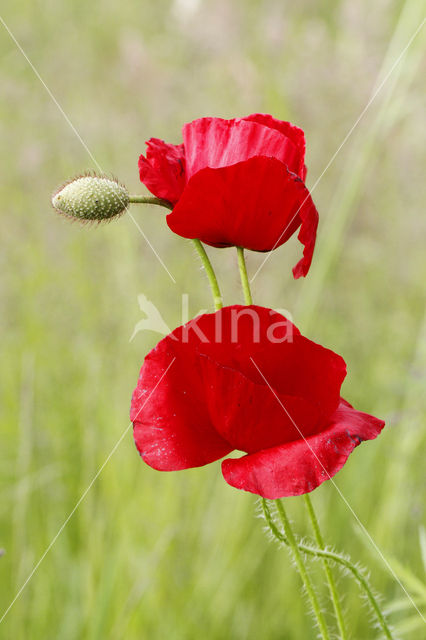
(91, 198)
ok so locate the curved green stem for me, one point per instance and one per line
(333, 557)
(291, 540)
(244, 277)
(214, 285)
(327, 568)
(302, 570)
(150, 200)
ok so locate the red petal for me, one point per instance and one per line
(307, 236)
(301, 466)
(263, 346)
(171, 426)
(214, 143)
(270, 393)
(303, 368)
(257, 204)
(295, 134)
(163, 169)
(233, 335)
(248, 415)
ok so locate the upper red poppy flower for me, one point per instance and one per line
(244, 378)
(236, 182)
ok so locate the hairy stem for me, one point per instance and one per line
(327, 568)
(244, 277)
(302, 570)
(334, 557)
(214, 285)
(150, 200)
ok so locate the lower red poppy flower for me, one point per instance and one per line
(245, 379)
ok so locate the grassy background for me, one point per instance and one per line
(182, 556)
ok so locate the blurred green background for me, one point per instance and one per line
(183, 555)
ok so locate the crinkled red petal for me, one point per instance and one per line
(162, 171)
(295, 134)
(257, 204)
(299, 467)
(214, 143)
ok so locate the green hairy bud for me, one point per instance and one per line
(92, 198)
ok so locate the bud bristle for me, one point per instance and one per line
(91, 198)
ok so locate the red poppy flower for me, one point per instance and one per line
(245, 379)
(236, 182)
